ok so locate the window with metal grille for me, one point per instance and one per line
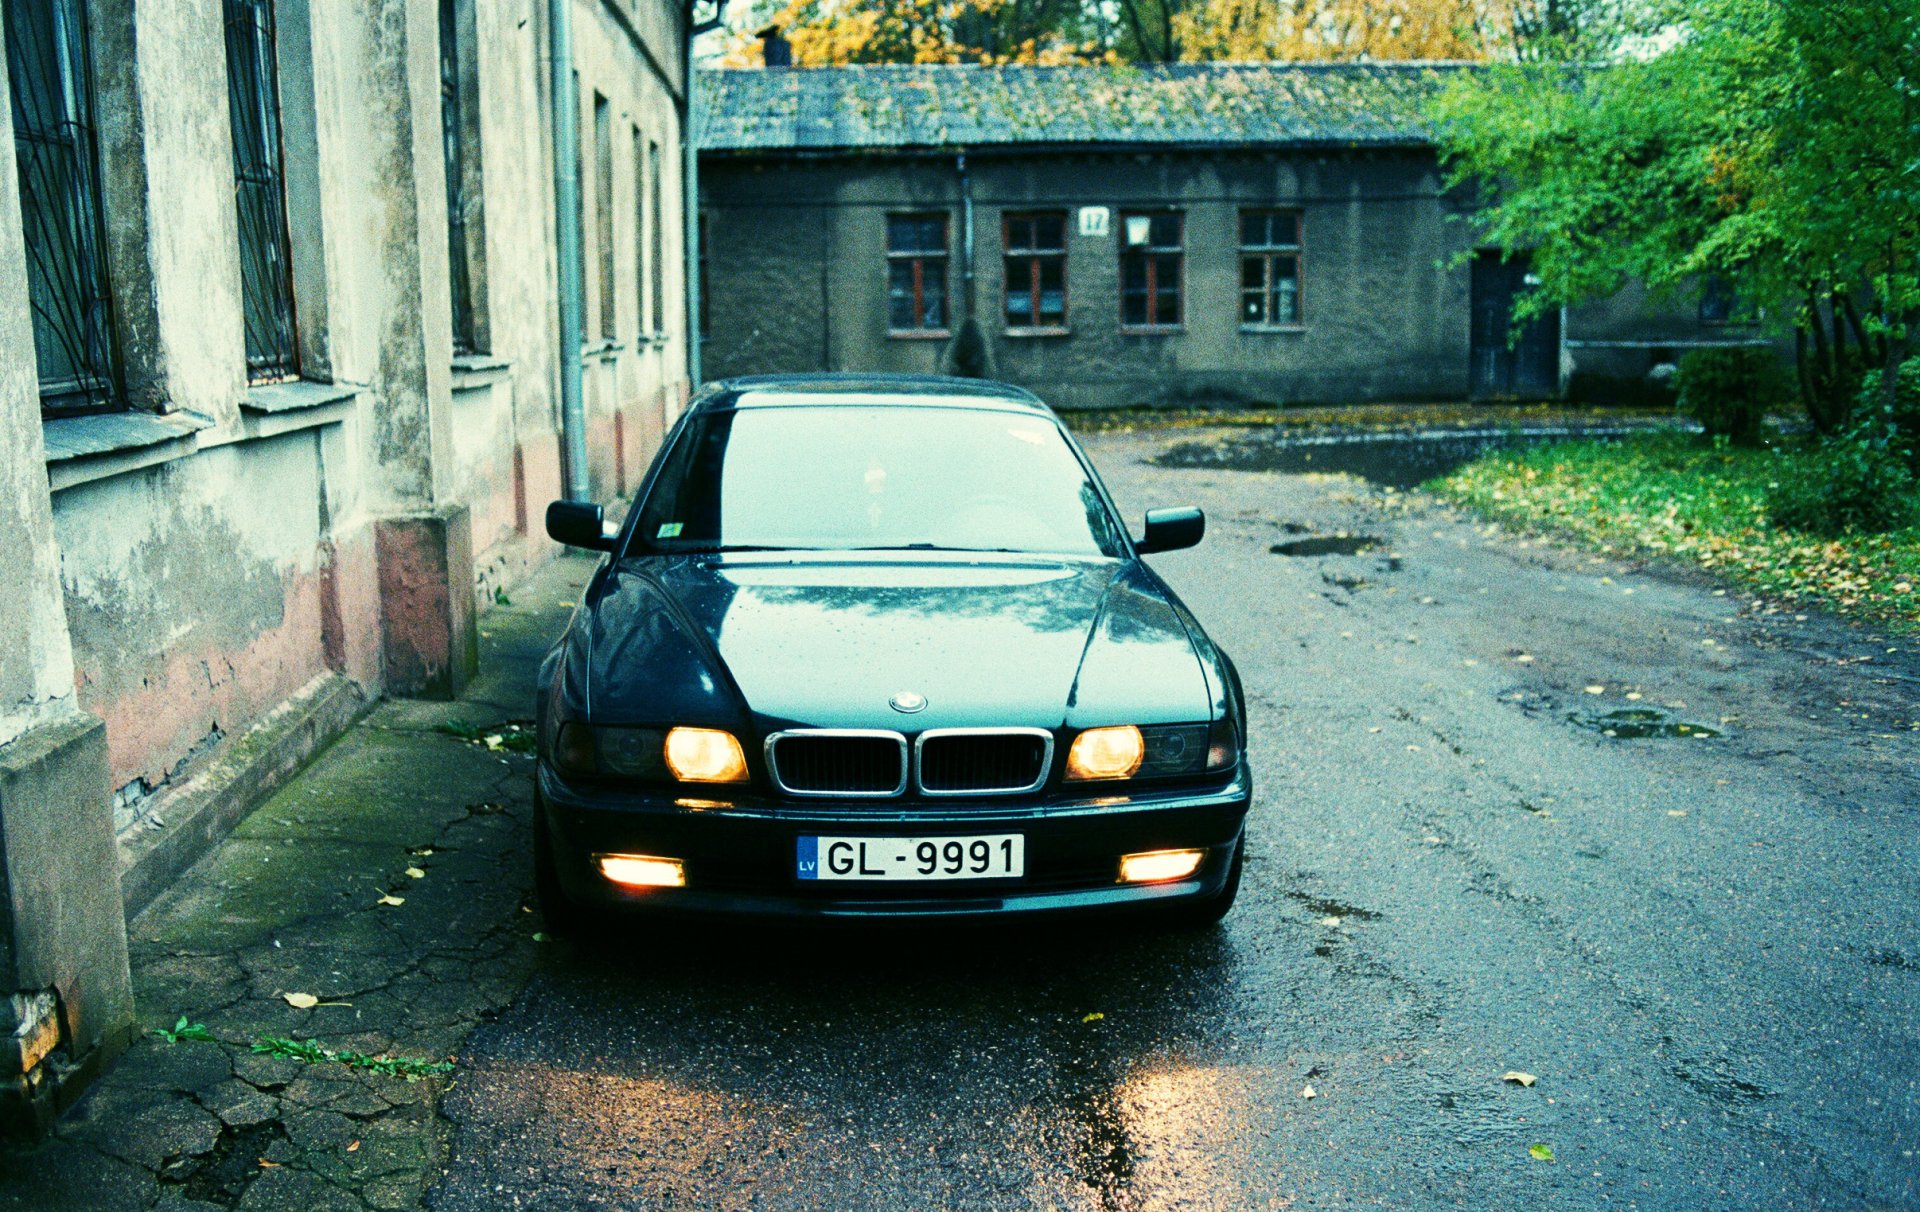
(917, 274)
(459, 272)
(656, 236)
(259, 173)
(1152, 264)
(1270, 268)
(603, 209)
(641, 244)
(1036, 260)
(60, 211)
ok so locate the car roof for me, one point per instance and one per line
(869, 390)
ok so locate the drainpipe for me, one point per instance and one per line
(966, 235)
(566, 228)
(690, 188)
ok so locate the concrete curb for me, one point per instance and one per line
(206, 809)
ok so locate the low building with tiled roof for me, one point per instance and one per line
(1121, 235)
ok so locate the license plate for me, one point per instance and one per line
(994, 856)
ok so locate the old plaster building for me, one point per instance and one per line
(1199, 233)
(278, 407)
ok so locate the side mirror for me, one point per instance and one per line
(578, 524)
(1172, 529)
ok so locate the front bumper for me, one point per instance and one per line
(739, 855)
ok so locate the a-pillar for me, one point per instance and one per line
(66, 1002)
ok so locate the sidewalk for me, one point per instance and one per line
(428, 805)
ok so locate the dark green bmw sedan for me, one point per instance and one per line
(881, 647)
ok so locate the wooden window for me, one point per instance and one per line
(1270, 268)
(60, 208)
(259, 171)
(1036, 285)
(1152, 265)
(917, 274)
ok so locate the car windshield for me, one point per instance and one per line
(852, 477)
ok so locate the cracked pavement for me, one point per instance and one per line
(291, 903)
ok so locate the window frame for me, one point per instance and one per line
(604, 262)
(1267, 253)
(656, 240)
(1034, 256)
(921, 331)
(1151, 253)
(281, 361)
(100, 384)
(468, 338)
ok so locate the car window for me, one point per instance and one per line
(849, 477)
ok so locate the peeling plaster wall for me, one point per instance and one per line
(184, 599)
(195, 595)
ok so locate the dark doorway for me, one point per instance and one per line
(1503, 367)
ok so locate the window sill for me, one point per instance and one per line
(99, 445)
(919, 334)
(1268, 328)
(474, 371)
(1036, 332)
(601, 351)
(1154, 330)
(276, 408)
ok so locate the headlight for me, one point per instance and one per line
(705, 755)
(1106, 753)
(1156, 751)
(691, 755)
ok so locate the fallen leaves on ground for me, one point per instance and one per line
(1678, 496)
(301, 1001)
(1095, 1017)
(1309, 1092)
(1540, 1152)
(1514, 1075)
(415, 873)
(388, 898)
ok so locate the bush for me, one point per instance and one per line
(1896, 427)
(1727, 390)
(1845, 486)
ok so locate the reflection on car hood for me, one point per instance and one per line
(825, 642)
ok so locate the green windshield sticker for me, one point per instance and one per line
(669, 530)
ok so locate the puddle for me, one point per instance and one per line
(1397, 460)
(1327, 545)
(1326, 907)
(1642, 723)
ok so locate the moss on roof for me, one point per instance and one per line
(876, 107)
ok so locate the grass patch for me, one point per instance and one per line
(1674, 495)
(407, 1068)
(1357, 417)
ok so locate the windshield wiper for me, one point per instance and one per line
(723, 548)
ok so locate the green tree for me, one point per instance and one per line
(1772, 143)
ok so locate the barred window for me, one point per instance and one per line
(917, 273)
(259, 172)
(1036, 261)
(459, 274)
(1270, 268)
(60, 210)
(1152, 265)
(656, 236)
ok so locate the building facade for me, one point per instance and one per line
(279, 407)
(1199, 234)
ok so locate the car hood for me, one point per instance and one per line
(826, 642)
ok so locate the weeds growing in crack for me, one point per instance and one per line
(407, 1068)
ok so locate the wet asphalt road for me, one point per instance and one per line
(1706, 950)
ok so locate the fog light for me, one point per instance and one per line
(1106, 753)
(705, 755)
(1159, 865)
(640, 871)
